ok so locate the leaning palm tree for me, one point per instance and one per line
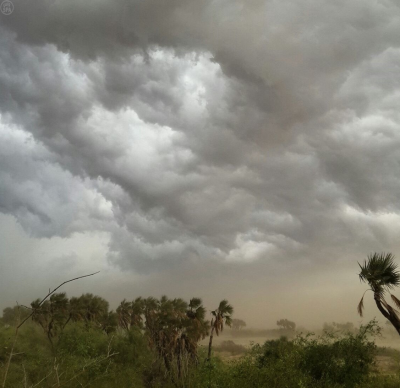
(381, 273)
(223, 314)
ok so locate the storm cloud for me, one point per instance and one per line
(219, 141)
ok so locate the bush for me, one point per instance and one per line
(343, 359)
(231, 347)
(328, 361)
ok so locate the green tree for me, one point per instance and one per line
(238, 324)
(12, 314)
(196, 327)
(52, 315)
(93, 308)
(75, 310)
(285, 324)
(380, 272)
(109, 322)
(137, 312)
(124, 312)
(222, 315)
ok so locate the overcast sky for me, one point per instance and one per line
(238, 149)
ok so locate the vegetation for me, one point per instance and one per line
(151, 343)
(80, 335)
(381, 273)
(90, 356)
(336, 326)
(238, 324)
(232, 348)
(285, 324)
(221, 316)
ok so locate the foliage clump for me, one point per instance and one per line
(332, 360)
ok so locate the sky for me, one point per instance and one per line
(241, 149)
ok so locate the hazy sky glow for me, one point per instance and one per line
(247, 150)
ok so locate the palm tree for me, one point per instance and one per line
(94, 307)
(381, 273)
(109, 322)
(223, 314)
(124, 312)
(76, 310)
(137, 312)
(196, 327)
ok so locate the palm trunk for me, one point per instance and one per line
(210, 343)
(391, 317)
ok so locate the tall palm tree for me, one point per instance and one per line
(137, 312)
(76, 310)
(222, 315)
(381, 273)
(94, 308)
(124, 311)
(196, 327)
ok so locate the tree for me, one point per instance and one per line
(93, 307)
(174, 329)
(381, 273)
(285, 324)
(347, 327)
(124, 312)
(196, 327)
(238, 324)
(12, 314)
(222, 315)
(137, 312)
(76, 310)
(109, 322)
(52, 315)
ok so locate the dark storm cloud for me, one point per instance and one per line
(190, 130)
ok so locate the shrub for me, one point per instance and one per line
(344, 359)
(231, 347)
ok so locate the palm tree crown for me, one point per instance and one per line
(223, 314)
(380, 272)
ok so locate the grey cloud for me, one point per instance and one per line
(45, 198)
(193, 130)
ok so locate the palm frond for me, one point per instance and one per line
(360, 307)
(395, 300)
(195, 303)
(380, 272)
(225, 308)
(200, 312)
